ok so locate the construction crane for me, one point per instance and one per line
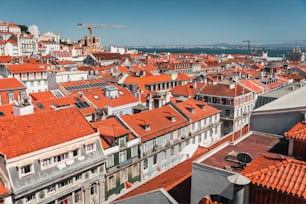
(249, 44)
(90, 27)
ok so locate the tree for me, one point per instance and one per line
(24, 29)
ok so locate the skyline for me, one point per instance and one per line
(166, 22)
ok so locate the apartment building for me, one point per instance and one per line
(52, 157)
(235, 102)
(170, 135)
(121, 149)
(34, 76)
(11, 89)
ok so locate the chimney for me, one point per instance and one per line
(23, 107)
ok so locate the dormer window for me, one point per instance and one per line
(144, 124)
(90, 147)
(146, 127)
(170, 116)
(122, 141)
(202, 106)
(191, 109)
(25, 170)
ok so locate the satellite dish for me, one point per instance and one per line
(244, 157)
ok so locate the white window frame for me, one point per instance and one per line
(134, 151)
(122, 156)
(110, 161)
(124, 175)
(135, 170)
(22, 170)
(111, 182)
(90, 147)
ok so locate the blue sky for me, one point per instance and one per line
(165, 22)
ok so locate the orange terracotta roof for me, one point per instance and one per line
(187, 90)
(97, 97)
(297, 132)
(158, 125)
(29, 133)
(44, 95)
(24, 68)
(63, 101)
(110, 127)
(3, 191)
(198, 113)
(223, 90)
(5, 59)
(168, 179)
(252, 86)
(11, 83)
(104, 143)
(278, 173)
(6, 111)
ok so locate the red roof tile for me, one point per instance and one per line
(197, 113)
(297, 132)
(3, 190)
(24, 68)
(42, 95)
(11, 83)
(158, 125)
(278, 173)
(7, 110)
(223, 90)
(110, 127)
(29, 133)
(5, 59)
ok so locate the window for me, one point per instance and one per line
(110, 161)
(51, 189)
(65, 183)
(75, 152)
(30, 198)
(111, 182)
(122, 141)
(94, 170)
(145, 164)
(123, 176)
(90, 147)
(135, 170)
(26, 169)
(60, 157)
(11, 97)
(77, 196)
(78, 177)
(134, 152)
(154, 159)
(22, 94)
(122, 156)
(46, 162)
(172, 151)
(93, 189)
(38, 75)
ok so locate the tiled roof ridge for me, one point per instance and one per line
(285, 174)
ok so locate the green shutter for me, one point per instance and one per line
(128, 153)
(116, 158)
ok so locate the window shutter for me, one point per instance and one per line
(116, 158)
(128, 153)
